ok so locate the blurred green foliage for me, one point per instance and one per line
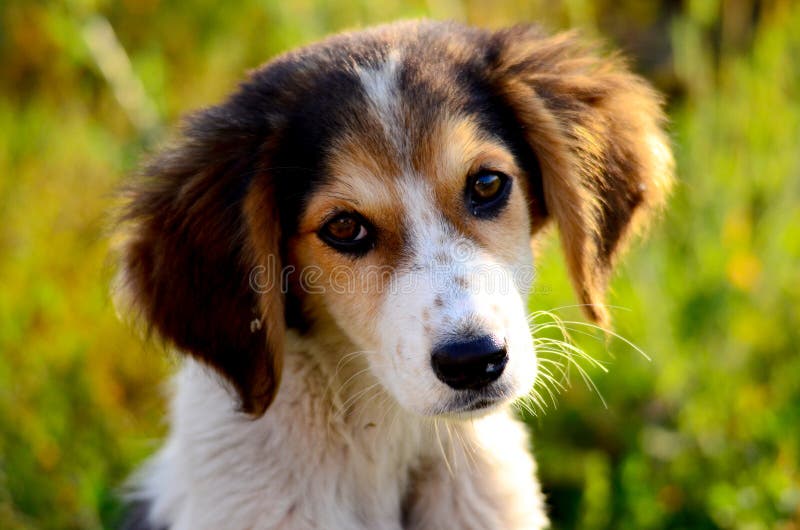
(705, 435)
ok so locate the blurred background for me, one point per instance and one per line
(706, 434)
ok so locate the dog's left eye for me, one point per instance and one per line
(487, 192)
(347, 232)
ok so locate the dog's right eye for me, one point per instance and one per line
(347, 232)
(487, 193)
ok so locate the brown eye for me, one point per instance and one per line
(347, 232)
(487, 193)
(486, 186)
(344, 228)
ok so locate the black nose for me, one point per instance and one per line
(470, 364)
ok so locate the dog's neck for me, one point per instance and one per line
(330, 420)
(333, 437)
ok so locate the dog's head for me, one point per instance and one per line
(386, 185)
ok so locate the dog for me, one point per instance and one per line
(343, 251)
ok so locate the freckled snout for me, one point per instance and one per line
(470, 364)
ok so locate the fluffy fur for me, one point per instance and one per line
(308, 398)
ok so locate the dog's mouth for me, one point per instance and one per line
(482, 403)
(469, 402)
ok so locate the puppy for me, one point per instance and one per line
(342, 250)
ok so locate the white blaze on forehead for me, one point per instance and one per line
(428, 230)
(381, 89)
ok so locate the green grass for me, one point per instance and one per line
(706, 434)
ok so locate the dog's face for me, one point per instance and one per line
(420, 243)
(387, 184)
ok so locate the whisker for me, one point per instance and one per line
(543, 312)
(552, 392)
(562, 354)
(441, 446)
(352, 377)
(352, 399)
(612, 333)
(553, 345)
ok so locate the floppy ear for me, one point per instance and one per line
(201, 219)
(596, 131)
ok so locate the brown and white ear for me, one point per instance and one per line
(596, 130)
(198, 223)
